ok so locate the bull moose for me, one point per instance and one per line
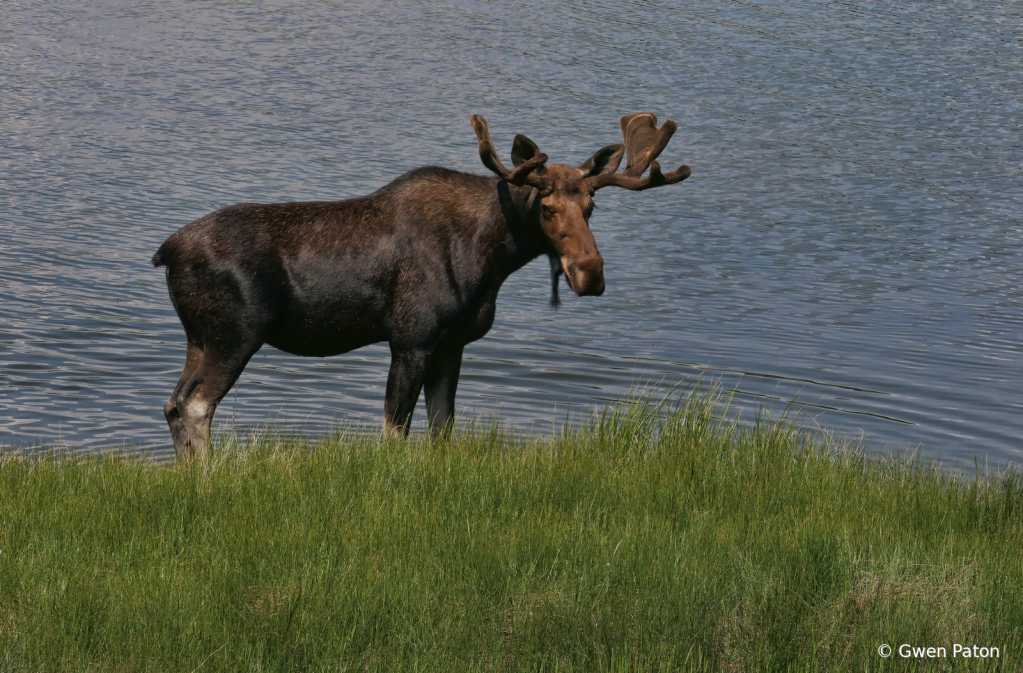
(417, 263)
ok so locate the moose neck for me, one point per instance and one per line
(523, 239)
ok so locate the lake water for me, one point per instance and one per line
(850, 239)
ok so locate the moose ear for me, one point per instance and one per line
(523, 149)
(604, 161)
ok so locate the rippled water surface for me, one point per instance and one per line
(850, 238)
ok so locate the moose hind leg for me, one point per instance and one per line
(441, 381)
(209, 384)
(170, 410)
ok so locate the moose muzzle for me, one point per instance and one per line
(585, 274)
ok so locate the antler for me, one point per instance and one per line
(523, 173)
(643, 143)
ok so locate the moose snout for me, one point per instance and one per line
(585, 275)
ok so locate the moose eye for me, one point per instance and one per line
(545, 211)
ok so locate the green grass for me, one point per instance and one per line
(654, 539)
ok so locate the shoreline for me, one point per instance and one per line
(658, 537)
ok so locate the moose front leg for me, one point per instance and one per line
(404, 383)
(441, 381)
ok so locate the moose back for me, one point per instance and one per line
(418, 264)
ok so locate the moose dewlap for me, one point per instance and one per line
(417, 264)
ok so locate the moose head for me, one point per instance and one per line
(563, 201)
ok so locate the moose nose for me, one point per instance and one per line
(586, 275)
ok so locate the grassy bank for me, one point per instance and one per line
(645, 542)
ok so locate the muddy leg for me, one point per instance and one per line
(404, 383)
(215, 375)
(441, 380)
(170, 410)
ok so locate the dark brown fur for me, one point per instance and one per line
(418, 264)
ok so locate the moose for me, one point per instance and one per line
(417, 263)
